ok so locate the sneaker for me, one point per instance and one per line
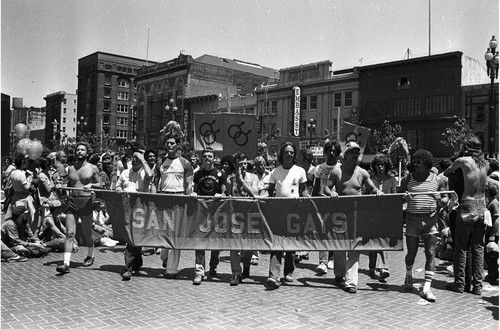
(235, 280)
(372, 274)
(288, 278)
(384, 274)
(321, 269)
(197, 279)
(351, 290)
(246, 273)
(170, 276)
(477, 291)
(107, 242)
(339, 279)
(88, 261)
(330, 265)
(453, 286)
(17, 259)
(126, 275)
(254, 260)
(63, 269)
(408, 283)
(272, 283)
(428, 295)
(450, 271)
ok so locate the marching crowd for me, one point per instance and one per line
(49, 206)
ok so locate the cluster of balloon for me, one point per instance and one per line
(33, 149)
(20, 130)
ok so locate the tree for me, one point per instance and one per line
(455, 137)
(386, 136)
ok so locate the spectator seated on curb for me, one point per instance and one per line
(102, 230)
(52, 231)
(11, 257)
(17, 235)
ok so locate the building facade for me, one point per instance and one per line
(176, 89)
(326, 98)
(423, 95)
(61, 117)
(7, 134)
(107, 95)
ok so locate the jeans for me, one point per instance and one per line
(236, 257)
(172, 257)
(275, 264)
(470, 232)
(214, 259)
(373, 257)
(352, 265)
(133, 258)
(6, 252)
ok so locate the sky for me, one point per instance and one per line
(42, 40)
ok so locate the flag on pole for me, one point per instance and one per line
(353, 132)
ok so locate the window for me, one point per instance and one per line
(122, 96)
(404, 83)
(121, 121)
(74, 101)
(105, 120)
(64, 129)
(106, 107)
(480, 114)
(74, 129)
(64, 101)
(274, 107)
(337, 99)
(107, 66)
(123, 83)
(238, 87)
(64, 110)
(348, 98)
(121, 134)
(64, 120)
(313, 102)
(122, 108)
(107, 93)
(265, 109)
(74, 119)
(107, 80)
(74, 110)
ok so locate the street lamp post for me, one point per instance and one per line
(491, 58)
(311, 126)
(81, 126)
(172, 107)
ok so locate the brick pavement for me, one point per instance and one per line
(33, 296)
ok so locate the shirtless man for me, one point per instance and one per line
(348, 179)
(84, 176)
(470, 217)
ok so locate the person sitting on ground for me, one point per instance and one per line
(18, 236)
(101, 225)
(52, 231)
(11, 257)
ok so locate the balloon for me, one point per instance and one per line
(22, 145)
(20, 130)
(34, 150)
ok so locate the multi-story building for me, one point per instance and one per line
(325, 96)
(107, 94)
(476, 111)
(7, 126)
(423, 95)
(176, 89)
(61, 117)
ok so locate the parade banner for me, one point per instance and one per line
(183, 222)
(226, 133)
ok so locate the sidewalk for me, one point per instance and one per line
(34, 296)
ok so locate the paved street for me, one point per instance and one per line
(33, 296)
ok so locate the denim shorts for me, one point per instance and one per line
(420, 225)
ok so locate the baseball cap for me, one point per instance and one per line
(351, 145)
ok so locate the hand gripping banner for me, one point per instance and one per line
(184, 222)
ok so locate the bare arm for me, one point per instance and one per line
(272, 187)
(457, 164)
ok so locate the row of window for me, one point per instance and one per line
(121, 95)
(119, 121)
(65, 101)
(121, 82)
(309, 103)
(65, 110)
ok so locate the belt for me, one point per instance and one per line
(425, 215)
(80, 194)
(166, 192)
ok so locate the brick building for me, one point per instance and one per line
(191, 86)
(107, 94)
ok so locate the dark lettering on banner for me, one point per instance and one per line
(182, 222)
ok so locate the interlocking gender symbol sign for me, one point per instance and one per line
(207, 132)
(239, 136)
